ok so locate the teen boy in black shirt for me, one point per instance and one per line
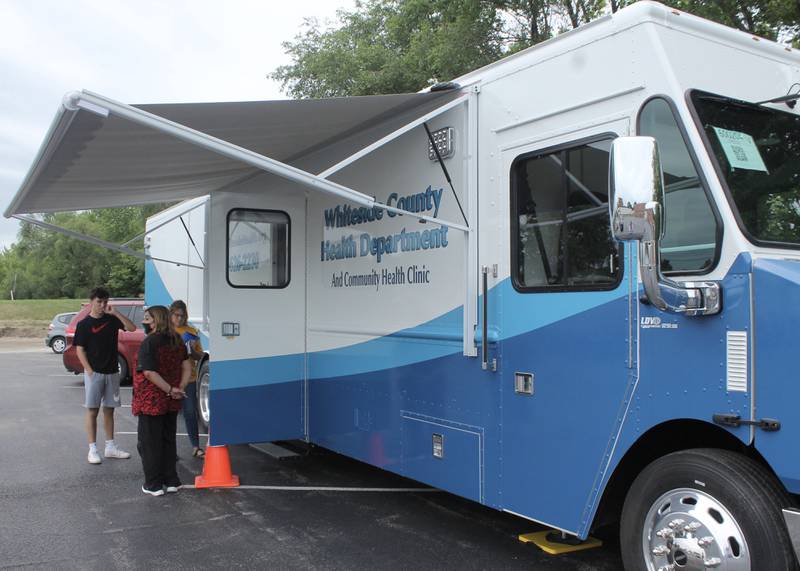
(96, 346)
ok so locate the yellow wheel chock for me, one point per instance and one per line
(555, 543)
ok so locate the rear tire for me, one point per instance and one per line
(58, 344)
(122, 367)
(707, 507)
(203, 410)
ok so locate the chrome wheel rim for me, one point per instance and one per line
(202, 397)
(690, 530)
(59, 345)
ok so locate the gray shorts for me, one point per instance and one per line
(101, 388)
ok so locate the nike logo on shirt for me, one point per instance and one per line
(99, 327)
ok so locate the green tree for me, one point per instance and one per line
(47, 264)
(525, 22)
(397, 46)
(777, 20)
(391, 46)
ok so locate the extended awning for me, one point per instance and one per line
(100, 153)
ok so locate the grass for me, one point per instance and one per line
(36, 310)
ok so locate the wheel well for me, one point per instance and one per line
(206, 359)
(659, 441)
(128, 378)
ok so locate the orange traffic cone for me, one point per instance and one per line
(216, 470)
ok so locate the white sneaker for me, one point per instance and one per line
(94, 457)
(158, 492)
(115, 453)
(173, 489)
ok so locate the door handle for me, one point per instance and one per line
(485, 365)
(484, 312)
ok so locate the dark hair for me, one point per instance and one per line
(99, 292)
(161, 323)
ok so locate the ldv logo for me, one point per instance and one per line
(648, 322)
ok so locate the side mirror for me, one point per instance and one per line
(636, 189)
(636, 209)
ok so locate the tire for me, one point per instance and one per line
(705, 508)
(58, 344)
(203, 410)
(122, 367)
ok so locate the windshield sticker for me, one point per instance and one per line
(740, 150)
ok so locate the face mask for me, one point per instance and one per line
(147, 328)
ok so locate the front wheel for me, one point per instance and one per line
(203, 410)
(58, 344)
(705, 509)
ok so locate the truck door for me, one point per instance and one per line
(565, 316)
(257, 312)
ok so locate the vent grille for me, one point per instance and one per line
(737, 361)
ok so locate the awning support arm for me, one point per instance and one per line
(132, 240)
(98, 241)
(392, 136)
(167, 221)
(444, 170)
(189, 234)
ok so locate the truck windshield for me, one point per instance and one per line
(758, 152)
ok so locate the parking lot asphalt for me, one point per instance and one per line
(59, 512)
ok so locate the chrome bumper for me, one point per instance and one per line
(792, 518)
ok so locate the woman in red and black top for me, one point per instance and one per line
(163, 367)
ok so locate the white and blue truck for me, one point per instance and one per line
(565, 285)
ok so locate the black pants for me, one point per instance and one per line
(158, 450)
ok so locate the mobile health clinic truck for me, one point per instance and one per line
(565, 285)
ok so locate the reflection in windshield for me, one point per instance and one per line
(758, 151)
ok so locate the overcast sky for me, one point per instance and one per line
(134, 51)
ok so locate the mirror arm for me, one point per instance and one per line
(649, 261)
(636, 209)
(691, 298)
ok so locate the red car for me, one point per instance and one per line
(128, 341)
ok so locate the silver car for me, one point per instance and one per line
(56, 337)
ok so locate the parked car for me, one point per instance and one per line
(128, 341)
(56, 332)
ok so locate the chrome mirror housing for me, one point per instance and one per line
(636, 209)
(636, 191)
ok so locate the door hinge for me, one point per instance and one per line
(766, 424)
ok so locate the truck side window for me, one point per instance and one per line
(560, 225)
(124, 310)
(690, 242)
(258, 248)
(138, 315)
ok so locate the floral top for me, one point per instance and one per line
(157, 353)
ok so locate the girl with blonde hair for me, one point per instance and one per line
(179, 315)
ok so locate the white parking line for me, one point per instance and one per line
(326, 489)
(81, 387)
(14, 351)
(178, 434)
